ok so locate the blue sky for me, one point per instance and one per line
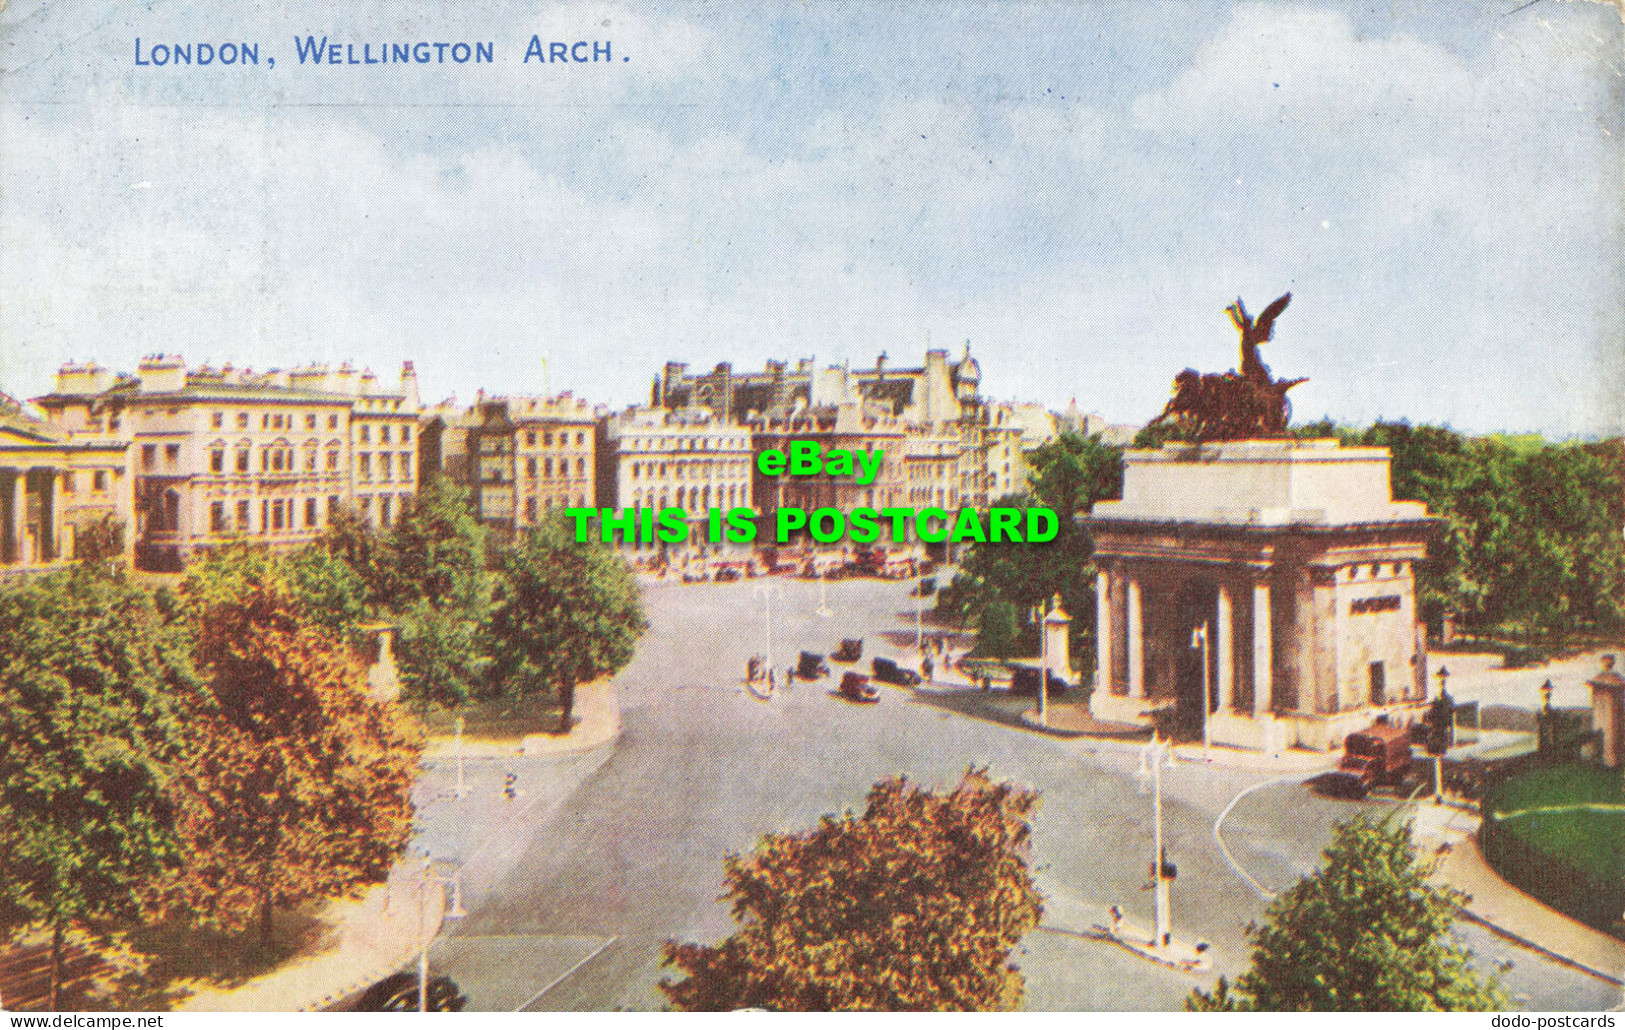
(1077, 188)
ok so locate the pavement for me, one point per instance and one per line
(1451, 834)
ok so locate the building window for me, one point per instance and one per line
(332, 421)
(332, 507)
(99, 481)
(366, 507)
(217, 461)
(217, 516)
(530, 439)
(383, 434)
(310, 421)
(149, 456)
(547, 468)
(217, 420)
(242, 420)
(365, 435)
(242, 459)
(386, 468)
(581, 466)
(265, 516)
(277, 514)
(310, 460)
(530, 509)
(242, 516)
(530, 467)
(547, 439)
(406, 466)
(172, 454)
(333, 460)
(310, 513)
(366, 466)
(384, 509)
(265, 421)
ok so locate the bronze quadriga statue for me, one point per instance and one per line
(1245, 405)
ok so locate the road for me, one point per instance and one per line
(572, 890)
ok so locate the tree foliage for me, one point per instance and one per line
(1367, 932)
(913, 906)
(90, 683)
(565, 613)
(296, 785)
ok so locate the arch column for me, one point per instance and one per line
(1263, 649)
(1103, 634)
(1224, 624)
(1134, 616)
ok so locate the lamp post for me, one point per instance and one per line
(766, 591)
(1039, 613)
(455, 911)
(1156, 753)
(1199, 639)
(1445, 733)
(823, 609)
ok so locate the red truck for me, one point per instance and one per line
(1378, 754)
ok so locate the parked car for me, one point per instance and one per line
(888, 671)
(851, 650)
(811, 666)
(1024, 680)
(855, 687)
(727, 574)
(1379, 754)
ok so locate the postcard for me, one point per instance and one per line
(1049, 507)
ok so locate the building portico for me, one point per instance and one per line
(1299, 565)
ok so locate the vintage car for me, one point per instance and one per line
(855, 687)
(1377, 755)
(728, 574)
(811, 666)
(851, 650)
(887, 671)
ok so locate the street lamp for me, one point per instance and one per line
(455, 911)
(1199, 639)
(1156, 754)
(823, 609)
(766, 591)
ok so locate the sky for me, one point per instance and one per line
(1077, 189)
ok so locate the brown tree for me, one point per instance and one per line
(913, 906)
(298, 784)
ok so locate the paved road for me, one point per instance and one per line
(572, 890)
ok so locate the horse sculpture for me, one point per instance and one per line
(1247, 405)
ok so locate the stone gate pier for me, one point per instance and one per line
(1301, 565)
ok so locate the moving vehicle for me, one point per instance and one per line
(1379, 754)
(1024, 680)
(855, 687)
(888, 671)
(851, 650)
(811, 666)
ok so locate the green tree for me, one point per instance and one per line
(565, 613)
(91, 684)
(296, 784)
(1367, 932)
(913, 906)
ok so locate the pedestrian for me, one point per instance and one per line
(927, 667)
(987, 682)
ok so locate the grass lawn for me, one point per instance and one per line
(1592, 841)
